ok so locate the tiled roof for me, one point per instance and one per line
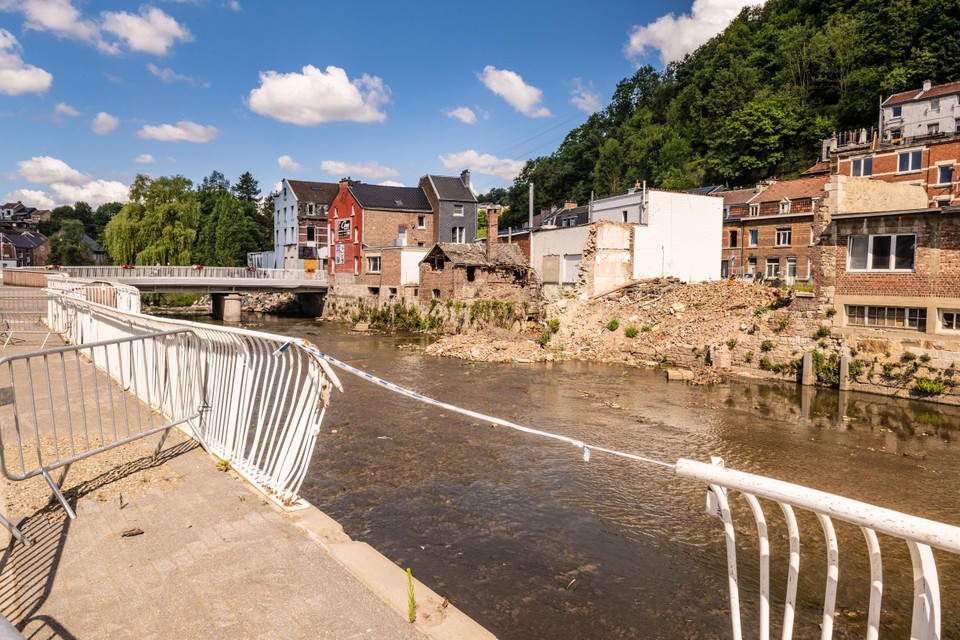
(317, 192)
(821, 167)
(794, 189)
(736, 196)
(475, 255)
(451, 188)
(387, 198)
(920, 94)
(11, 205)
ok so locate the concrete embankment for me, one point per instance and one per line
(177, 548)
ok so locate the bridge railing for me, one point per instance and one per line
(114, 273)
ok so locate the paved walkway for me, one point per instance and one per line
(205, 556)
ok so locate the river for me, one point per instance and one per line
(532, 542)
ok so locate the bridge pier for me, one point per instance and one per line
(226, 306)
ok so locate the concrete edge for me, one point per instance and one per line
(436, 617)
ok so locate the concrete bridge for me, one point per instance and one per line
(224, 284)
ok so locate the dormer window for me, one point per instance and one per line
(755, 209)
(785, 206)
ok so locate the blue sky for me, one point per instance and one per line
(92, 93)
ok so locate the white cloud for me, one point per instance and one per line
(233, 4)
(583, 97)
(372, 169)
(170, 76)
(65, 185)
(314, 97)
(104, 123)
(48, 170)
(144, 158)
(59, 17)
(675, 36)
(63, 109)
(511, 87)
(31, 198)
(16, 76)
(184, 131)
(288, 164)
(152, 31)
(463, 114)
(485, 163)
(391, 183)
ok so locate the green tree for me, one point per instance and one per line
(67, 247)
(247, 189)
(752, 142)
(608, 172)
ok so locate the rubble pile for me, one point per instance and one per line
(491, 345)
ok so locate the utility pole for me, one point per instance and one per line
(530, 215)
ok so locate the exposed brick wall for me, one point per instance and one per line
(453, 283)
(767, 226)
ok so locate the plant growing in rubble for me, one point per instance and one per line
(766, 345)
(411, 600)
(823, 331)
(748, 356)
(930, 386)
(731, 343)
(223, 464)
(645, 328)
(759, 311)
(613, 325)
(831, 312)
(631, 331)
(554, 325)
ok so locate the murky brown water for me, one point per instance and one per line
(532, 542)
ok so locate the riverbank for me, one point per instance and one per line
(281, 304)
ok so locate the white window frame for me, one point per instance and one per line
(458, 210)
(784, 234)
(893, 253)
(753, 237)
(771, 267)
(933, 128)
(785, 206)
(940, 168)
(374, 264)
(896, 112)
(752, 265)
(421, 222)
(911, 155)
(954, 322)
(886, 317)
(754, 209)
(459, 235)
(792, 266)
(862, 167)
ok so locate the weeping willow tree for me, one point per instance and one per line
(158, 224)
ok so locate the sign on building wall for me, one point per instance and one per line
(338, 256)
(343, 228)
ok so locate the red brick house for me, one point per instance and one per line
(769, 232)
(378, 235)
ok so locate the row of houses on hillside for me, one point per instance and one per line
(873, 226)
(17, 211)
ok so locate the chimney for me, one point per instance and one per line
(569, 205)
(491, 232)
(926, 86)
(465, 178)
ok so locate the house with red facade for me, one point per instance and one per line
(768, 231)
(378, 235)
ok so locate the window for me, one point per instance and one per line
(624, 214)
(933, 128)
(896, 112)
(935, 104)
(726, 212)
(353, 210)
(458, 234)
(755, 209)
(909, 161)
(421, 222)
(881, 253)
(436, 294)
(813, 236)
(861, 167)
(784, 236)
(373, 264)
(311, 234)
(392, 291)
(896, 134)
(773, 268)
(374, 291)
(950, 319)
(792, 268)
(356, 265)
(733, 238)
(356, 235)
(895, 317)
(784, 206)
(754, 234)
(945, 174)
(458, 210)
(751, 265)
(956, 125)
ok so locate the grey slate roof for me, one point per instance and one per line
(706, 191)
(93, 244)
(387, 198)
(26, 240)
(451, 188)
(317, 192)
(475, 255)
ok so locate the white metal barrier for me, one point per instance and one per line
(920, 535)
(266, 400)
(113, 273)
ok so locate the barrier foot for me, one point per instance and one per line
(163, 438)
(24, 540)
(59, 494)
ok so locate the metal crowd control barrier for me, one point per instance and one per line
(266, 400)
(920, 535)
(22, 314)
(57, 407)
